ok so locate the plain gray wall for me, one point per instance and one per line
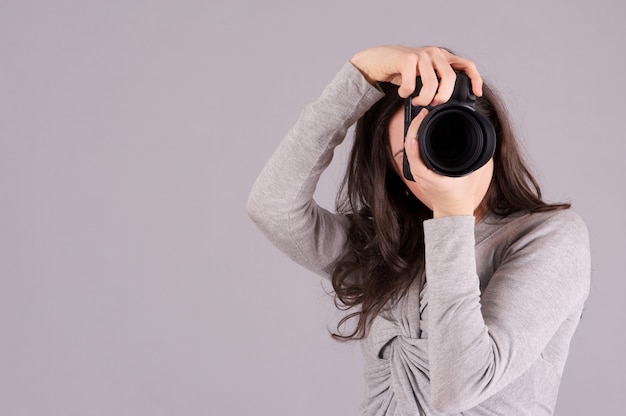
(132, 281)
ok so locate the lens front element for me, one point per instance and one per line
(453, 142)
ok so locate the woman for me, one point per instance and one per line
(465, 292)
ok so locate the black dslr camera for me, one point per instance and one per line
(454, 139)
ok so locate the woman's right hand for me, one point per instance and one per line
(401, 65)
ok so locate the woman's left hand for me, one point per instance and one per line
(400, 65)
(445, 196)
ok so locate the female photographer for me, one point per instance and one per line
(464, 291)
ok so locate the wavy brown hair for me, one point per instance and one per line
(384, 251)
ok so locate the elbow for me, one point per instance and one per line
(250, 208)
(266, 212)
(254, 209)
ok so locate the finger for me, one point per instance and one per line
(447, 79)
(469, 67)
(429, 81)
(408, 72)
(475, 78)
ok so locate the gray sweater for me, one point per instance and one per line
(487, 331)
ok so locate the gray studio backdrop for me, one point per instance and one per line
(132, 281)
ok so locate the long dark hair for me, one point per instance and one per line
(384, 251)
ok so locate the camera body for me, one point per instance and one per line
(454, 139)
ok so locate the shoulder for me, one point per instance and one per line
(524, 225)
(559, 230)
(556, 239)
(561, 221)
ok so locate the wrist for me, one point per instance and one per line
(453, 211)
(357, 62)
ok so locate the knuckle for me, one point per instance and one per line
(449, 73)
(412, 58)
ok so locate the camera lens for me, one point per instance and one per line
(454, 139)
(452, 142)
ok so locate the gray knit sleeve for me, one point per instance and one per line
(281, 201)
(480, 343)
